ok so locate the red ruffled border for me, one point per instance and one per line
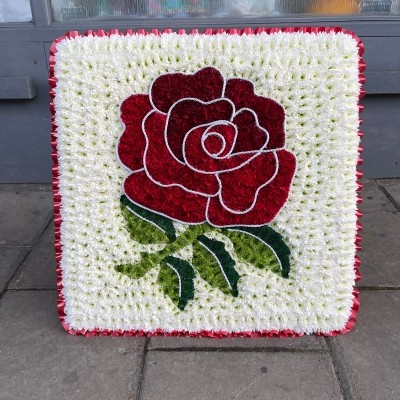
(57, 196)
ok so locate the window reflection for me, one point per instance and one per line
(15, 11)
(77, 9)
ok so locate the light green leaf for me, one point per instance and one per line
(145, 226)
(215, 265)
(261, 246)
(139, 269)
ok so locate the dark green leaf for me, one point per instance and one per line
(261, 246)
(176, 279)
(215, 265)
(145, 226)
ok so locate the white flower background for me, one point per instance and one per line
(314, 77)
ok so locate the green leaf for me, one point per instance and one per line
(215, 265)
(145, 226)
(176, 279)
(140, 269)
(261, 246)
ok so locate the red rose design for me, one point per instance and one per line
(202, 148)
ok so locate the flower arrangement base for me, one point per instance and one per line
(206, 183)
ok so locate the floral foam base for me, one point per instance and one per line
(206, 184)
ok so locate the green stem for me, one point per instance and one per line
(150, 261)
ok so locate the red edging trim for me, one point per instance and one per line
(57, 196)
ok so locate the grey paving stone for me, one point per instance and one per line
(393, 187)
(380, 253)
(39, 269)
(40, 361)
(24, 211)
(371, 352)
(235, 375)
(373, 198)
(10, 259)
(302, 343)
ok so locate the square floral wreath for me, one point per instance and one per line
(206, 184)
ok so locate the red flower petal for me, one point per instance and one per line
(270, 199)
(206, 85)
(197, 157)
(163, 168)
(188, 114)
(250, 135)
(172, 202)
(271, 115)
(240, 188)
(132, 142)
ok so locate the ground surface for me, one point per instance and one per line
(39, 360)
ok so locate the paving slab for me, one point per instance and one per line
(380, 253)
(393, 188)
(24, 212)
(373, 198)
(371, 352)
(40, 361)
(311, 343)
(39, 269)
(10, 258)
(235, 375)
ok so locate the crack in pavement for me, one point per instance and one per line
(263, 372)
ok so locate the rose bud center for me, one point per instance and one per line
(214, 143)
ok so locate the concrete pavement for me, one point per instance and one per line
(39, 360)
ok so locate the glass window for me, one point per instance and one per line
(15, 11)
(75, 9)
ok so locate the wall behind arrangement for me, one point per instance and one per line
(25, 122)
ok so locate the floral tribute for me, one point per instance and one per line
(207, 183)
(208, 152)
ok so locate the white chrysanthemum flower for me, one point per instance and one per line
(314, 77)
